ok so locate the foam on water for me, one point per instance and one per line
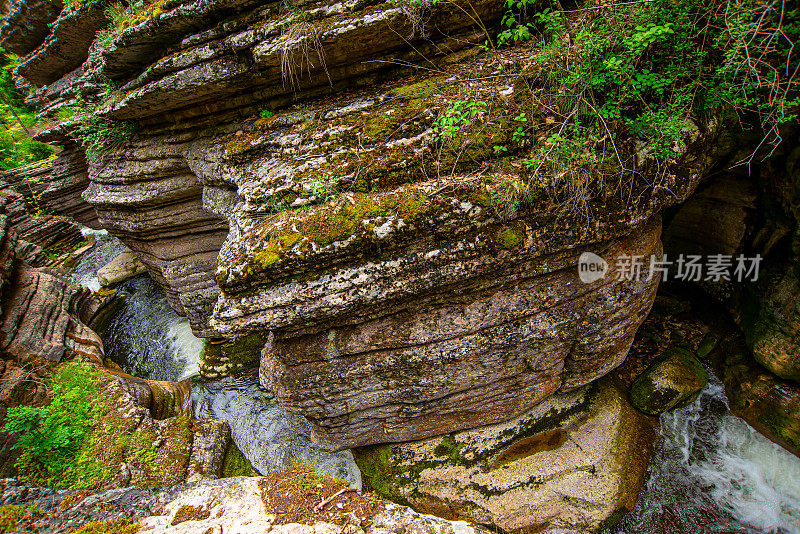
(266, 434)
(146, 338)
(105, 249)
(713, 473)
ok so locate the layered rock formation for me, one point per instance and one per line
(575, 462)
(402, 286)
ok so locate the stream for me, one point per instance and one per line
(711, 472)
(147, 339)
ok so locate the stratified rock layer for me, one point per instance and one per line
(575, 461)
(286, 183)
(517, 328)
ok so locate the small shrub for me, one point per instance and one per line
(51, 435)
(266, 114)
(324, 188)
(457, 116)
(96, 134)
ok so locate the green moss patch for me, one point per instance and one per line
(235, 464)
(94, 438)
(116, 526)
(224, 358)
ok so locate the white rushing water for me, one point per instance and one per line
(105, 249)
(266, 434)
(146, 338)
(713, 473)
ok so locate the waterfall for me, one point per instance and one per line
(105, 249)
(266, 434)
(146, 338)
(713, 473)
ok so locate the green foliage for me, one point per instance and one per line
(75, 5)
(324, 188)
(515, 27)
(51, 435)
(18, 122)
(627, 88)
(96, 134)
(10, 516)
(457, 116)
(266, 114)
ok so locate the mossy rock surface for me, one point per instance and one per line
(674, 379)
(235, 464)
(575, 460)
(229, 357)
(774, 334)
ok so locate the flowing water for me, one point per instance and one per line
(713, 473)
(106, 248)
(266, 434)
(147, 339)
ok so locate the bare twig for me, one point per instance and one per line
(324, 503)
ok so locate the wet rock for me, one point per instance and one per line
(774, 333)
(221, 358)
(768, 403)
(42, 315)
(121, 268)
(575, 461)
(674, 379)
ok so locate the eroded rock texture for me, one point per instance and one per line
(229, 505)
(573, 462)
(287, 181)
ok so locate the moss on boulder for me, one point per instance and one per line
(220, 358)
(674, 379)
(576, 460)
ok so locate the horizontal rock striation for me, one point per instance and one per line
(289, 181)
(437, 355)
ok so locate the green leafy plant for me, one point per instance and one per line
(630, 89)
(50, 435)
(95, 133)
(324, 188)
(457, 116)
(266, 114)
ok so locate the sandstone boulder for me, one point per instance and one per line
(575, 461)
